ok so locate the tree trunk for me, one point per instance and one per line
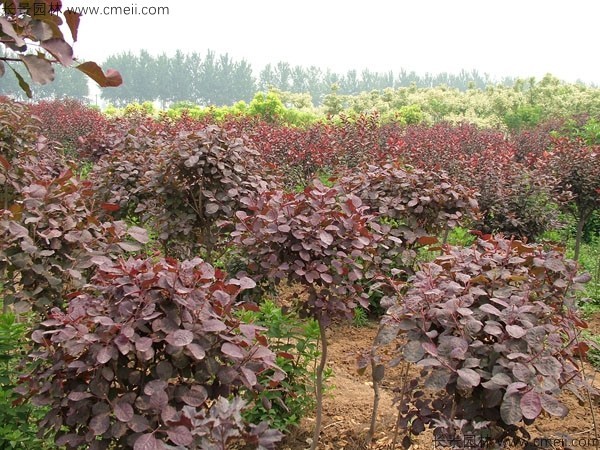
(579, 235)
(319, 386)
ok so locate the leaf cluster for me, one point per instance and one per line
(181, 183)
(25, 25)
(494, 331)
(151, 356)
(320, 238)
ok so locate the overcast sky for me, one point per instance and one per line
(502, 38)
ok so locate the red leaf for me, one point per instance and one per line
(4, 162)
(58, 48)
(112, 78)
(72, 19)
(110, 207)
(427, 240)
(39, 68)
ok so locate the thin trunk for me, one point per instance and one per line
(319, 386)
(579, 235)
(376, 396)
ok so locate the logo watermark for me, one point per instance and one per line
(476, 442)
(38, 8)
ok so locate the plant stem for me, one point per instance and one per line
(579, 234)
(319, 386)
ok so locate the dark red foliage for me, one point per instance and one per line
(494, 328)
(322, 239)
(68, 120)
(50, 225)
(151, 355)
(180, 185)
(422, 201)
(514, 198)
(48, 237)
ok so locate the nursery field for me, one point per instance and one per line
(171, 281)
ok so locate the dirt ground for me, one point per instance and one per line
(348, 404)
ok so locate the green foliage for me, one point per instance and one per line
(589, 259)
(268, 107)
(295, 342)
(461, 237)
(524, 116)
(406, 115)
(594, 351)
(17, 420)
(360, 319)
(139, 109)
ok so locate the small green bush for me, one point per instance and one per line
(295, 342)
(17, 421)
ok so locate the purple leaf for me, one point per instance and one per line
(523, 372)
(552, 406)
(326, 277)
(196, 396)
(99, 424)
(180, 338)
(490, 309)
(213, 325)
(469, 376)
(104, 355)
(143, 344)
(77, 396)
(548, 365)
(531, 405)
(510, 409)
(148, 442)
(196, 350)
(39, 68)
(180, 435)
(232, 350)
(123, 411)
(61, 50)
(515, 331)
(325, 237)
(139, 234)
(247, 283)
(164, 370)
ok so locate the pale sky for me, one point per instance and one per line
(503, 38)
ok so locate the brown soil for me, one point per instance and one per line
(349, 401)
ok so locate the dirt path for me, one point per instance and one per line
(348, 405)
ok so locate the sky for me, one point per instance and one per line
(501, 38)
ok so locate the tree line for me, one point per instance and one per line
(218, 79)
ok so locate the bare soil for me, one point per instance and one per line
(349, 401)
